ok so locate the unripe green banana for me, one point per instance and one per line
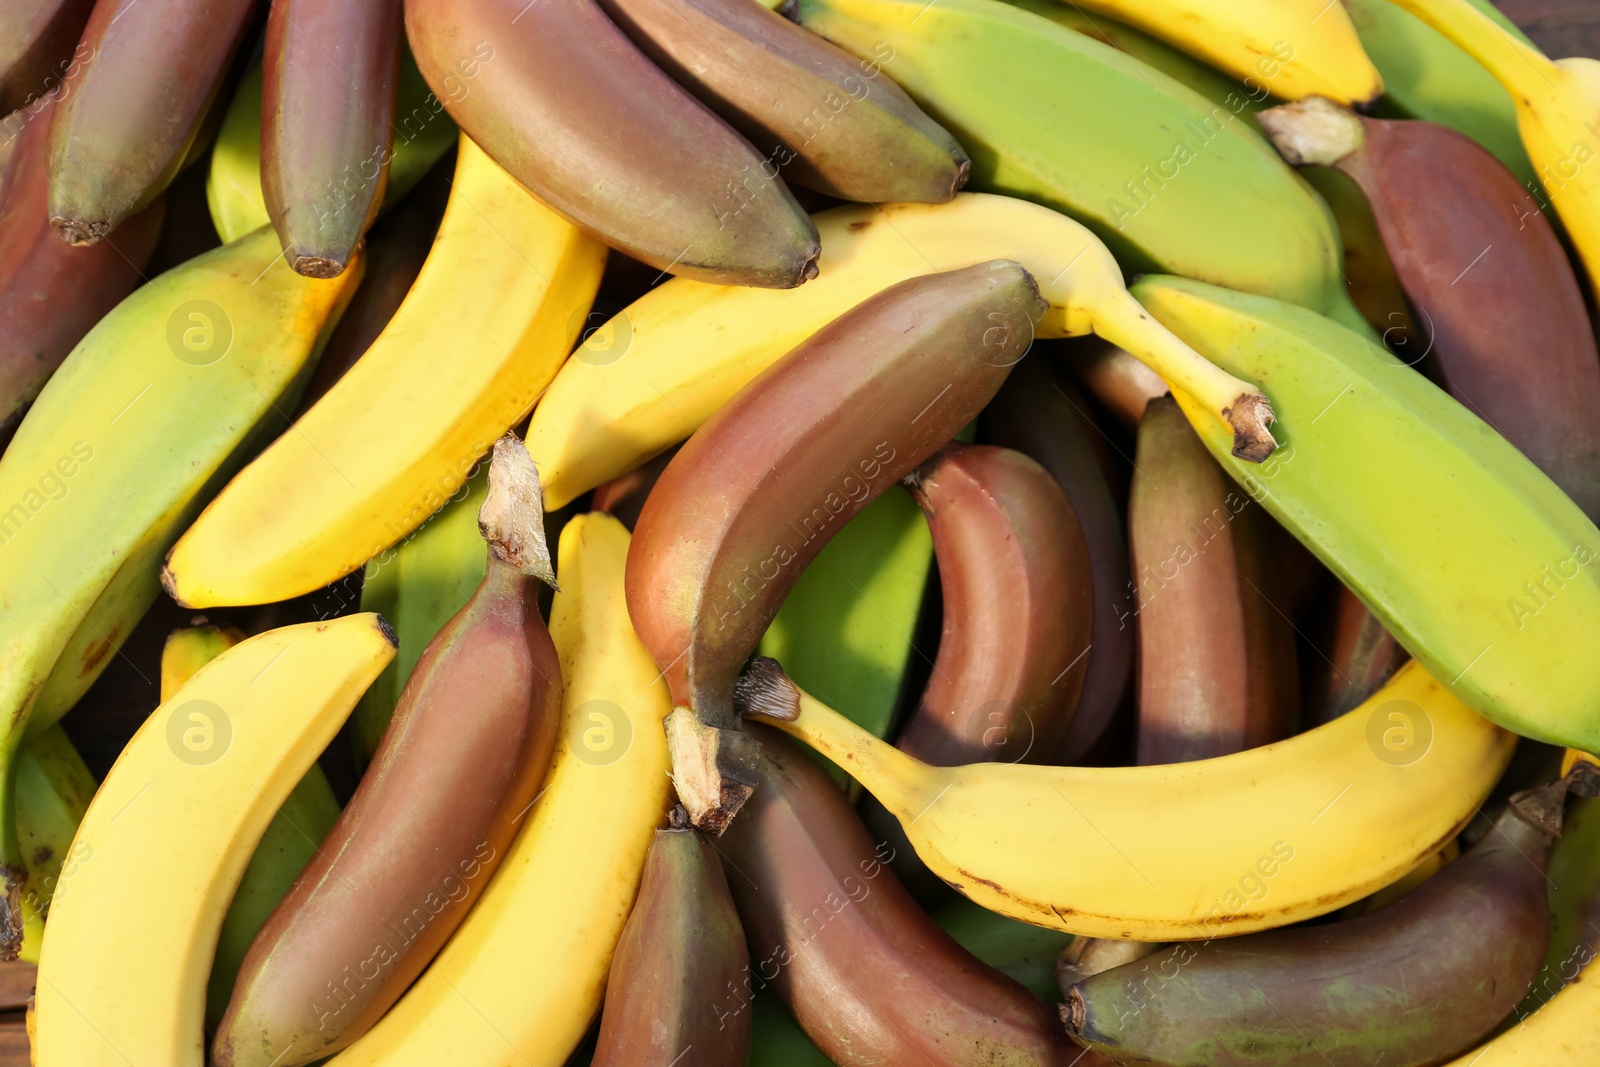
(53, 791)
(681, 948)
(423, 133)
(1477, 563)
(1169, 180)
(1407, 985)
(758, 490)
(140, 426)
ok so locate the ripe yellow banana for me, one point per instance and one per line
(491, 316)
(53, 791)
(122, 979)
(1558, 113)
(653, 373)
(523, 976)
(1185, 851)
(153, 409)
(1294, 48)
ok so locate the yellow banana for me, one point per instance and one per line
(147, 416)
(493, 313)
(521, 979)
(53, 791)
(1294, 48)
(1186, 851)
(122, 978)
(1558, 113)
(653, 373)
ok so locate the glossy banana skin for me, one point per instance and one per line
(1039, 413)
(1217, 671)
(868, 975)
(761, 487)
(120, 136)
(328, 98)
(830, 121)
(681, 950)
(1018, 600)
(682, 191)
(37, 38)
(434, 815)
(1511, 338)
(51, 294)
(1407, 985)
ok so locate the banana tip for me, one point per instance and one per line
(1073, 1014)
(80, 232)
(1249, 416)
(763, 689)
(512, 516)
(315, 266)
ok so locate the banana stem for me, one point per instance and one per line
(1512, 62)
(1124, 322)
(902, 784)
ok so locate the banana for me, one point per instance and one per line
(1409, 984)
(419, 585)
(668, 183)
(849, 625)
(38, 39)
(1556, 103)
(1216, 670)
(1484, 270)
(51, 294)
(53, 791)
(682, 942)
(162, 840)
(1039, 413)
(210, 353)
(422, 134)
(1294, 49)
(1018, 595)
(1169, 180)
(291, 838)
(1075, 849)
(756, 492)
(869, 976)
(1018, 950)
(325, 122)
(563, 894)
(1425, 76)
(459, 766)
(1460, 547)
(1574, 879)
(1361, 656)
(507, 285)
(822, 118)
(652, 373)
(120, 135)
(397, 246)
(1369, 272)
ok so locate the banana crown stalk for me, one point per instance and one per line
(674, 357)
(1465, 551)
(162, 840)
(1355, 804)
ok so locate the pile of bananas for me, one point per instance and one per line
(859, 531)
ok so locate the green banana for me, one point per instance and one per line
(423, 133)
(417, 586)
(848, 624)
(292, 838)
(142, 423)
(1169, 180)
(1427, 77)
(1466, 552)
(53, 791)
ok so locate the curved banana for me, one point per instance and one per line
(1186, 851)
(162, 838)
(658, 369)
(525, 973)
(1295, 48)
(1557, 103)
(53, 791)
(1476, 562)
(495, 310)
